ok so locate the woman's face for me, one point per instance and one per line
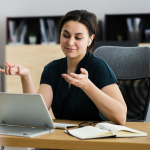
(74, 39)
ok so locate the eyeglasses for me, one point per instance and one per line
(83, 124)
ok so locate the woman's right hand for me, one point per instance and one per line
(15, 69)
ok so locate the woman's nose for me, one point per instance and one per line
(71, 41)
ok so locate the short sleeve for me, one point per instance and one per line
(105, 76)
(45, 77)
(102, 116)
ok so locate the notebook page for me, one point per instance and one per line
(88, 132)
(115, 128)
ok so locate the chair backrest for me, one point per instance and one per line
(131, 66)
(115, 43)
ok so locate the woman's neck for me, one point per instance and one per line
(73, 63)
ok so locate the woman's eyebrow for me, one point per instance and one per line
(79, 33)
(75, 33)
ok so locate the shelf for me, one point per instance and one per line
(116, 27)
(20, 29)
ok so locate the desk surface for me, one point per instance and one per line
(61, 140)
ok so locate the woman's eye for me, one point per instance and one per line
(66, 36)
(78, 38)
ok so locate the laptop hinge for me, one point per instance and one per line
(46, 128)
(3, 124)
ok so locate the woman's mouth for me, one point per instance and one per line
(70, 49)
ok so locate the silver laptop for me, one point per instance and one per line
(24, 115)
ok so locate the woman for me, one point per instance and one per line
(79, 86)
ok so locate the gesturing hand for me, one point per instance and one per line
(79, 80)
(14, 69)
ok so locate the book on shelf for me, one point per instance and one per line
(104, 130)
(48, 31)
(17, 33)
(133, 25)
(44, 39)
(22, 31)
(11, 27)
(52, 30)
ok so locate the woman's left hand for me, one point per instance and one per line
(79, 80)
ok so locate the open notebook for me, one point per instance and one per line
(104, 130)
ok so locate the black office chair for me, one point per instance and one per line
(114, 43)
(131, 66)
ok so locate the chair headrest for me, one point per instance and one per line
(126, 62)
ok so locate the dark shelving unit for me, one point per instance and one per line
(33, 25)
(116, 24)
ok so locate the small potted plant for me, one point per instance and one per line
(32, 37)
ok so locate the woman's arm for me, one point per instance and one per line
(24, 73)
(108, 100)
(27, 83)
(46, 91)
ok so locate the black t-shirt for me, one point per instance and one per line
(76, 105)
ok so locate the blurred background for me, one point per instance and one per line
(32, 8)
(28, 30)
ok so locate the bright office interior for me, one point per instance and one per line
(29, 8)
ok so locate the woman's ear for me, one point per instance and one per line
(93, 36)
(91, 39)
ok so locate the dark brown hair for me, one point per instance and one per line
(87, 18)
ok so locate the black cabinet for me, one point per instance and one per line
(19, 29)
(122, 27)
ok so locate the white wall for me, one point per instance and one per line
(14, 8)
